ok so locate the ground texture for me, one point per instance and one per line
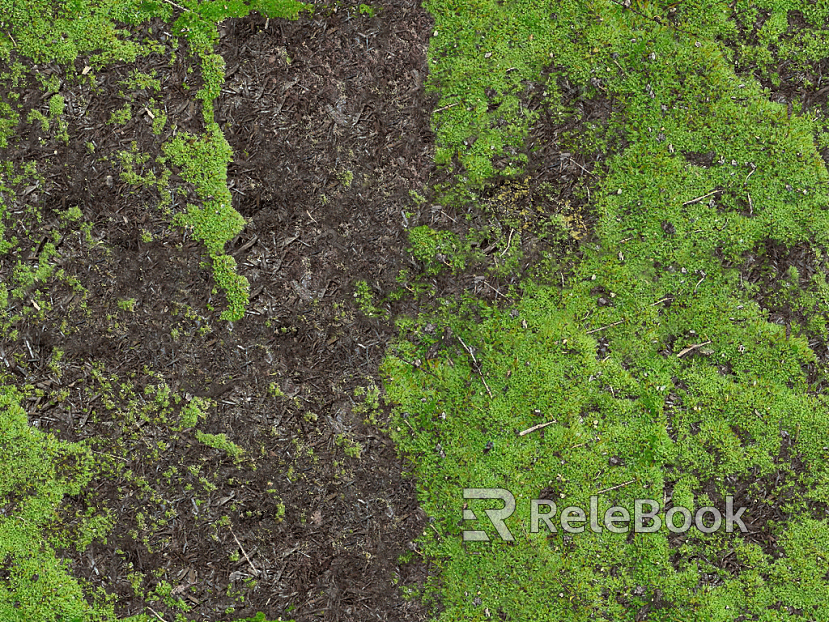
(448, 227)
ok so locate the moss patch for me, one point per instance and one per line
(654, 372)
(38, 471)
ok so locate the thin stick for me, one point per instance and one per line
(509, 241)
(448, 216)
(691, 348)
(440, 537)
(485, 384)
(653, 304)
(616, 487)
(446, 107)
(750, 206)
(255, 571)
(494, 289)
(698, 199)
(596, 330)
(700, 281)
(477, 365)
(534, 428)
(178, 6)
(469, 350)
(581, 167)
(155, 614)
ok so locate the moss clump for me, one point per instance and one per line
(127, 304)
(204, 163)
(194, 410)
(365, 300)
(351, 448)
(220, 442)
(121, 116)
(236, 287)
(36, 472)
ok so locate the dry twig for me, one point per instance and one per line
(691, 348)
(616, 487)
(178, 6)
(535, 427)
(156, 614)
(445, 107)
(241, 548)
(596, 330)
(698, 199)
(476, 364)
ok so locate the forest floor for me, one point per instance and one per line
(256, 375)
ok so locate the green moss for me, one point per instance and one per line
(159, 120)
(236, 287)
(36, 472)
(45, 32)
(57, 103)
(438, 249)
(346, 177)
(127, 304)
(73, 213)
(194, 410)
(352, 448)
(365, 300)
(139, 80)
(35, 116)
(121, 116)
(220, 442)
(657, 372)
(204, 163)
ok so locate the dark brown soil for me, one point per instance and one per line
(327, 147)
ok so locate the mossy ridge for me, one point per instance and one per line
(653, 284)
